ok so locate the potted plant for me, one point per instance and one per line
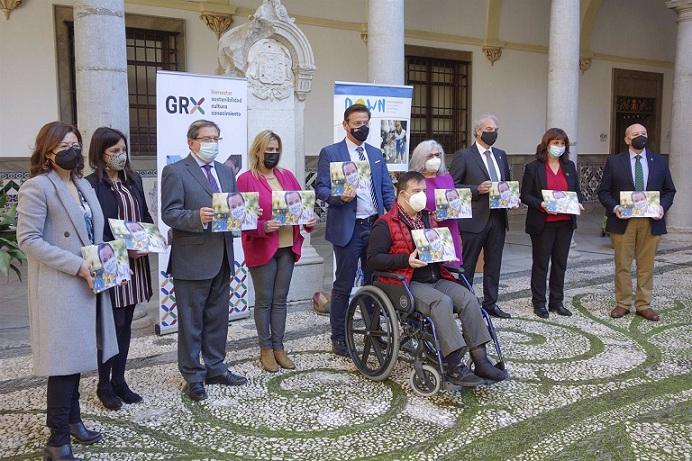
(11, 257)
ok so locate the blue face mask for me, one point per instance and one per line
(556, 151)
(208, 151)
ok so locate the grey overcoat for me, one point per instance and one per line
(62, 308)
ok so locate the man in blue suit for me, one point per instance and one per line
(351, 215)
(635, 238)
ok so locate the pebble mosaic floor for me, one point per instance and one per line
(584, 387)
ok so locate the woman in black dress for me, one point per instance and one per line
(120, 193)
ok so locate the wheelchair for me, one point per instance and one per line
(381, 322)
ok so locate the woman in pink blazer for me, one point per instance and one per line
(271, 250)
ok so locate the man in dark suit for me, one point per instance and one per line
(476, 168)
(635, 238)
(201, 261)
(351, 215)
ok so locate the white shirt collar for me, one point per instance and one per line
(634, 154)
(482, 149)
(353, 146)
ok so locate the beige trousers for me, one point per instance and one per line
(636, 243)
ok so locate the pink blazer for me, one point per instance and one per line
(258, 246)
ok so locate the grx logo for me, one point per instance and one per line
(184, 105)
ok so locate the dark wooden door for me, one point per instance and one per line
(636, 99)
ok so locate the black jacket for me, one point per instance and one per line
(617, 177)
(534, 181)
(109, 204)
(468, 171)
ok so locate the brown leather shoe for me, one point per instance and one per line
(283, 360)
(619, 312)
(268, 361)
(649, 314)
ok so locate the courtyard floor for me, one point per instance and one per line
(584, 387)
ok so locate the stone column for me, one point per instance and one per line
(101, 66)
(386, 41)
(680, 216)
(563, 70)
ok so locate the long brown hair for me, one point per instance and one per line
(551, 135)
(48, 139)
(103, 138)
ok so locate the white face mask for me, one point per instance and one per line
(505, 195)
(208, 151)
(352, 179)
(295, 209)
(455, 204)
(140, 235)
(417, 201)
(433, 164)
(238, 213)
(110, 266)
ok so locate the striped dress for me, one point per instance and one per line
(138, 290)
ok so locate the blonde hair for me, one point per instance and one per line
(420, 155)
(259, 146)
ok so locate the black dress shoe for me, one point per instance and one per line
(461, 375)
(196, 391)
(108, 398)
(339, 347)
(542, 312)
(61, 453)
(495, 311)
(227, 379)
(83, 435)
(125, 393)
(559, 309)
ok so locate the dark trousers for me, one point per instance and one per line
(62, 407)
(203, 324)
(347, 258)
(272, 281)
(551, 245)
(492, 241)
(113, 371)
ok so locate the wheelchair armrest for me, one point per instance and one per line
(390, 275)
(454, 269)
(460, 276)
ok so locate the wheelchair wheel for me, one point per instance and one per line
(372, 333)
(427, 385)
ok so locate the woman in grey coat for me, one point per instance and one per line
(58, 214)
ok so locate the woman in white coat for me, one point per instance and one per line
(58, 214)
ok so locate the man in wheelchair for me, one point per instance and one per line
(436, 292)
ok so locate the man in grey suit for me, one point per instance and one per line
(200, 260)
(476, 168)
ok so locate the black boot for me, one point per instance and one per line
(483, 367)
(63, 452)
(108, 398)
(125, 393)
(84, 435)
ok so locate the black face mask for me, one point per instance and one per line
(639, 142)
(361, 133)
(271, 159)
(489, 137)
(69, 158)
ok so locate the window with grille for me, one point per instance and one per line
(152, 44)
(147, 52)
(441, 103)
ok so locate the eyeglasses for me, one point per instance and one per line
(209, 139)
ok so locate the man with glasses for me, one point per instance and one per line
(200, 261)
(476, 168)
(351, 215)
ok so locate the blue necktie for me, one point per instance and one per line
(210, 178)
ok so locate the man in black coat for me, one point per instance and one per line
(635, 238)
(476, 168)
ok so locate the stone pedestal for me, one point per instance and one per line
(680, 215)
(563, 70)
(277, 60)
(386, 41)
(100, 66)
